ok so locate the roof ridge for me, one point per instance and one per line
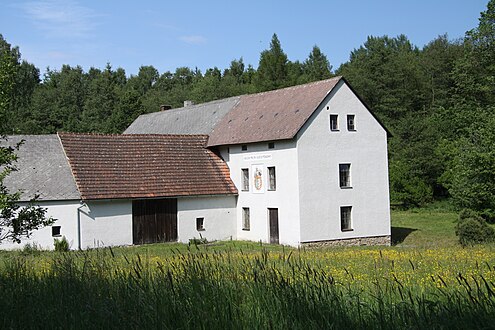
(212, 102)
(128, 136)
(313, 83)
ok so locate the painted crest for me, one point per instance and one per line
(258, 179)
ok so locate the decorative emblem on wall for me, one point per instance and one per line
(258, 179)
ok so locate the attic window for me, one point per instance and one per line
(244, 147)
(334, 123)
(351, 124)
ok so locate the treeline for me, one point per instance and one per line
(438, 102)
(107, 100)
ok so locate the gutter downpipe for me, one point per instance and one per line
(79, 225)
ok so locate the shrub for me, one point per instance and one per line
(61, 245)
(31, 249)
(473, 229)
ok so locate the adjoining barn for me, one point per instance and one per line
(300, 165)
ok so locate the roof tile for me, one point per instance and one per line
(145, 166)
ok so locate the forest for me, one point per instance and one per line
(438, 102)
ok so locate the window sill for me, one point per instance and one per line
(344, 230)
(345, 187)
(271, 190)
(335, 130)
(246, 229)
(244, 190)
(201, 229)
(60, 235)
(352, 130)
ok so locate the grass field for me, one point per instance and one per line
(425, 281)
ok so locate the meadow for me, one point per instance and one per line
(426, 280)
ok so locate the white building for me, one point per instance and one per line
(304, 165)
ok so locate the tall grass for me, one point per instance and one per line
(234, 289)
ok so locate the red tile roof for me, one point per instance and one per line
(274, 115)
(145, 166)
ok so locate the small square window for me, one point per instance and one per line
(245, 179)
(345, 175)
(244, 147)
(246, 225)
(345, 218)
(351, 125)
(56, 231)
(334, 122)
(272, 185)
(200, 224)
(271, 145)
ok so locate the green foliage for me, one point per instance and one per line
(61, 245)
(273, 67)
(239, 289)
(473, 229)
(471, 172)
(31, 249)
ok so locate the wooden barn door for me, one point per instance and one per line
(273, 219)
(154, 220)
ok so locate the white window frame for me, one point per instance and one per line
(200, 224)
(351, 121)
(335, 127)
(245, 179)
(246, 219)
(346, 218)
(272, 180)
(345, 182)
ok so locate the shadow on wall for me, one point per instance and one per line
(399, 234)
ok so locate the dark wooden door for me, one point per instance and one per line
(273, 218)
(154, 220)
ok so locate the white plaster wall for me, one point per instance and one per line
(320, 151)
(285, 198)
(66, 214)
(219, 215)
(106, 223)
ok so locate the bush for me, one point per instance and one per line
(31, 249)
(61, 245)
(473, 229)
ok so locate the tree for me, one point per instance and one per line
(474, 74)
(317, 66)
(17, 222)
(272, 68)
(471, 173)
(9, 60)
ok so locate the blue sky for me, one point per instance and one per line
(204, 34)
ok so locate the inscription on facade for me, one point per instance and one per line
(251, 158)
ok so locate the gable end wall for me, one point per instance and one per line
(320, 151)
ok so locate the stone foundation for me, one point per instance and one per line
(360, 241)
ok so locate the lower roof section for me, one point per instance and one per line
(42, 169)
(145, 166)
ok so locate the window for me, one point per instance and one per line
(56, 231)
(271, 145)
(200, 224)
(350, 123)
(345, 218)
(271, 176)
(246, 225)
(244, 147)
(334, 124)
(345, 175)
(245, 179)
